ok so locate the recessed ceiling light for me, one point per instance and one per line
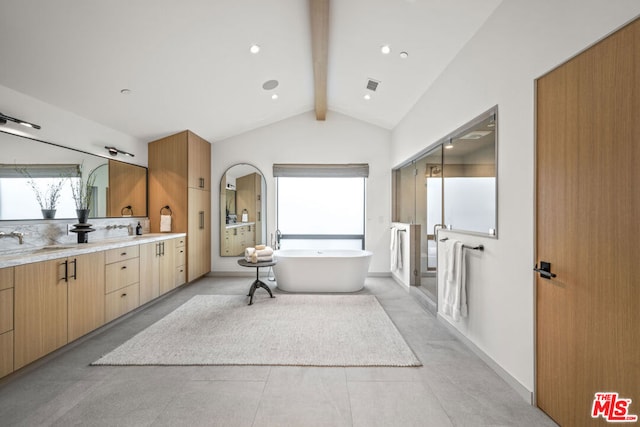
(270, 84)
(125, 91)
(385, 49)
(254, 48)
(367, 97)
(404, 55)
(274, 96)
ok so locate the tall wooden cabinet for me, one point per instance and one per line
(180, 177)
(249, 197)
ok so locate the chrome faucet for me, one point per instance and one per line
(278, 237)
(129, 227)
(16, 234)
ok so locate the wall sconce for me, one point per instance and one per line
(4, 118)
(115, 151)
(448, 145)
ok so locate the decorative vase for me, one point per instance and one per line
(83, 215)
(48, 213)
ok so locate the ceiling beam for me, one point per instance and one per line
(320, 50)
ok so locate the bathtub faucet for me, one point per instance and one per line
(278, 237)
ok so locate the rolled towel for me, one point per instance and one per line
(257, 259)
(165, 223)
(260, 247)
(261, 253)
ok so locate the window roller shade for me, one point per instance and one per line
(292, 170)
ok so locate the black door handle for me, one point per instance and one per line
(544, 270)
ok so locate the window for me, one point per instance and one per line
(21, 185)
(321, 212)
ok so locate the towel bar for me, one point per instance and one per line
(475, 248)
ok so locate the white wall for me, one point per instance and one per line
(65, 128)
(521, 41)
(303, 139)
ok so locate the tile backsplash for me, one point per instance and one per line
(55, 232)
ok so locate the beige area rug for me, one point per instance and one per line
(300, 330)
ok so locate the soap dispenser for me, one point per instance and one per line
(138, 229)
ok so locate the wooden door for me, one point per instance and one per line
(149, 272)
(40, 310)
(199, 234)
(86, 294)
(167, 265)
(588, 228)
(199, 162)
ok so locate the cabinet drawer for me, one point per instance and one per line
(121, 274)
(6, 278)
(120, 254)
(6, 353)
(181, 256)
(6, 310)
(121, 302)
(181, 275)
(180, 241)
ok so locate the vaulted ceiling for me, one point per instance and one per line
(187, 64)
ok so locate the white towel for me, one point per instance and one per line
(165, 223)
(455, 292)
(260, 253)
(396, 249)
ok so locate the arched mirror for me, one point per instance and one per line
(242, 208)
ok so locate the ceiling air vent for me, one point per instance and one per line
(372, 85)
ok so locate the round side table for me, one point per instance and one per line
(257, 283)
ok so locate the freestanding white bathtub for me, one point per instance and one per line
(327, 270)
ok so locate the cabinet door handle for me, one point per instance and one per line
(259, 216)
(75, 268)
(162, 250)
(201, 220)
(123, 254)
(157, 249)
(123, 295)
(66, 271)
(201, 182)
(124, 267)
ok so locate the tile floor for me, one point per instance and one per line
(453, 388)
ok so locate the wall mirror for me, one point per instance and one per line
(32, 168)
(453, 182)
(242, 208)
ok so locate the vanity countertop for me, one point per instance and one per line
(238, 224)
(36, 254)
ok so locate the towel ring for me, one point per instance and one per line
(167, 208)
(122, 211)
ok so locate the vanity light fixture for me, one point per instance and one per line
(4, 119)
(115, 151)
(448, 145)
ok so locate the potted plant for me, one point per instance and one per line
(82, 192)
(47, 199)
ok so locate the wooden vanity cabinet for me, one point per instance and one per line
(121, 290)
(56, 302)
(162, 267)
(180, 177)
(6, 321)
(86, 294)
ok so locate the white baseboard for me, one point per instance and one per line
(522, 391)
